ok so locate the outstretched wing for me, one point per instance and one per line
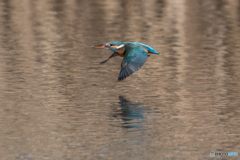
(135, 57)
(113, 55)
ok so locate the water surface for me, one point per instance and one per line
(58, 101)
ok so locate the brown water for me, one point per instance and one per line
(59, 103)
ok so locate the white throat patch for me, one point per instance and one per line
(120, 46)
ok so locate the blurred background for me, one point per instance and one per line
(58, 102)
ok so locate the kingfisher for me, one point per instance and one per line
(134, 55)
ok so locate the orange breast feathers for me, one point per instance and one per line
(120, 52)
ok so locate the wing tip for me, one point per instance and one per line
(120, 78)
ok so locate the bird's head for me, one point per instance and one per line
(113, 45)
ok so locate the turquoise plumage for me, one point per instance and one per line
(134, 55)
(150, 49)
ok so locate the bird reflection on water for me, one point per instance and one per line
(131, 113)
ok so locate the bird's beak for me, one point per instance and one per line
(99, 46)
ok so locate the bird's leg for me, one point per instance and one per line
(113, 55)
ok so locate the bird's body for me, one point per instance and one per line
(146, 47)
(134, 55)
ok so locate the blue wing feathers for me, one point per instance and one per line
(135, 57)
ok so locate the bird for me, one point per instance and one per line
(134, 55)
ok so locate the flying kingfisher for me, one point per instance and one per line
(134, 55)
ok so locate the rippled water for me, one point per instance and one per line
(58, 102)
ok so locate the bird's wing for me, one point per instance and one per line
(113, 55)
(135, 57)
